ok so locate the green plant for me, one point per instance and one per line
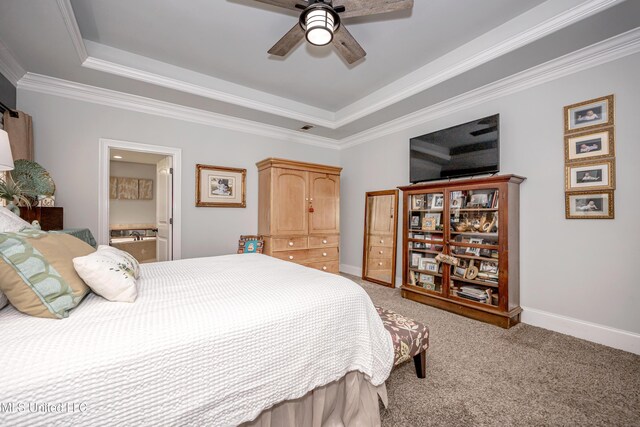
(11, 192)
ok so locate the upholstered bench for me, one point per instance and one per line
(410, 339)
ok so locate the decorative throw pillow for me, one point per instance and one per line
(3, 300)
(108, 274)
(123, 256)
(10, 222)
(37, 274)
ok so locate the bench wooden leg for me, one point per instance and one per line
(420, 360)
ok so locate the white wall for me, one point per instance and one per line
(582, 269)
(66, 134)
(133, 211)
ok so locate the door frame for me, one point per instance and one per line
(104, 159)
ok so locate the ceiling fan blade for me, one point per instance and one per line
(355, 8)
(288, 42)
(347, 46)
(287, 4)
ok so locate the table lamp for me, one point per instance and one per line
(6, 159)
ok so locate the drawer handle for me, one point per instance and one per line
(324, 254)
(381, 241)
(324, 268)
(379, 263)
(290, 243)
(381, 252)
(290, 256)
(324, 241)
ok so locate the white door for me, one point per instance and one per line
(164, 209)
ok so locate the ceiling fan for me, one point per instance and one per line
(321, 23)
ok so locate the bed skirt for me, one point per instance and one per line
(349, 401)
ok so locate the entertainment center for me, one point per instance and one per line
(461, 247)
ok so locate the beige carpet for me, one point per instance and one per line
(482, 375)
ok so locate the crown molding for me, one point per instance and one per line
(66, 10)
(600, 53)
(442, 69)
(81, 92)
(207, 92)
(9, 66)
(461, 61)
(597, 54)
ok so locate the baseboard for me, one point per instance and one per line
(350, 269)
(612, 337)
(357, 271)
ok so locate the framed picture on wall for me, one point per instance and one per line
(218, 186)
(589, 114)
(590, 176)
(589, 205)
(589, 145)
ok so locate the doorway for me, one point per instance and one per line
(139, 199)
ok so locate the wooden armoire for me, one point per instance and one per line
(299, 212)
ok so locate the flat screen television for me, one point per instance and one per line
(468, 149)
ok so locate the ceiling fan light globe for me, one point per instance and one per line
(320, 25)
(319, 36)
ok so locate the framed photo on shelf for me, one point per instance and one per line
(435, 216)
(428, 223)
(479, 200)
(590, 176)
(415, 221)
(474, 251)
(591, 145)
(489, 267)
(589, 114)
(427, 278)
(589, 205)
(455, 196)
(218, 186)
(423, 263)
(415, 260)
(417, 201)
(437, 202)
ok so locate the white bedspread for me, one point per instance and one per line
(209, 341)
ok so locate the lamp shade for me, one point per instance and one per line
(6, 158)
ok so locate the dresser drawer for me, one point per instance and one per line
(325, 254)
(379, 264)
(330, 241)
(308, 255)
(385, 241)
(287, 244)
(329, 266)
(380, 252)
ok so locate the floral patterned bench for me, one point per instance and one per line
(410, 339)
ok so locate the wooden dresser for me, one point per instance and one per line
(299, 212)
(50, 218)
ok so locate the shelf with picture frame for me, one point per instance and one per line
(480, 221)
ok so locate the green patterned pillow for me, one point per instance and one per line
(37, 273)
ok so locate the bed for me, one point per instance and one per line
(209, 341)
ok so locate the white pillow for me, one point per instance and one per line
(10, 222)
(129, 259)
(108, 274)
(3, 300)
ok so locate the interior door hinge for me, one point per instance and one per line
(171, 221)
(171, 171)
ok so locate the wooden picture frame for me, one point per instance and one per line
(591, 145)
(218, 186)
(590, 205)
(589, 176)
(587, 115)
